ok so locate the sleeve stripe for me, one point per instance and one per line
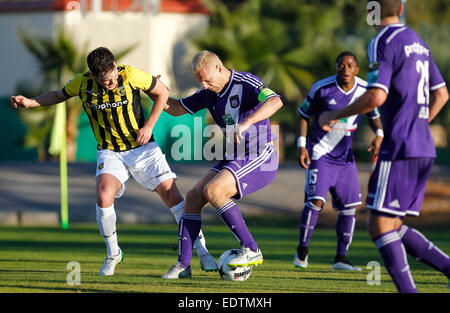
(303, 113)
(376, 85)
(436, 87)
(319, 84)
(251, 81)
(248, 77)
(373, 48)
(152, 85)
(392, 36)
(65, 92)
(185, 107)
(271, 96)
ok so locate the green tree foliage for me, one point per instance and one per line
(291, 44)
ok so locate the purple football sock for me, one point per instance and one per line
(394, 255)
(344, 230)
(308, 221)
(188, 230)
(232, 217)
(420, 248)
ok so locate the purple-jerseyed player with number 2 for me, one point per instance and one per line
(328, 158)
(241, 105)
(406, 84)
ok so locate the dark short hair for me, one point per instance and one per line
(389, 7)
(346, 54)
(100, 60)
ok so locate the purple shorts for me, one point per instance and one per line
(398, 187)
(252, 174)
(340, 179)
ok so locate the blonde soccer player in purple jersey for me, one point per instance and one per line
(405, 83)
(241, 105)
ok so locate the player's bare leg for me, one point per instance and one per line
(107, 187)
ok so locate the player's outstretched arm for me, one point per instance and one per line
(370, 100)
(47, 98)
(439, 98)
(174, 107)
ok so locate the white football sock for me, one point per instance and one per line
(199, 243)
(106, 220)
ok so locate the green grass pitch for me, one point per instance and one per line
(34, 260)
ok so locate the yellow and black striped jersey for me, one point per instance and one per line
(115, 115)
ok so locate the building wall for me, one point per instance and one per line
(15, 60)
(158, 40)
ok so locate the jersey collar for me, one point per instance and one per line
(342, 90)
(227, 87)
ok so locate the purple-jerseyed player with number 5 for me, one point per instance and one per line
(406, 84)
(328, 158)
(241, 105)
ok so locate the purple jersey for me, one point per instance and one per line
(239, 99)
(327, 95)
(401, 64)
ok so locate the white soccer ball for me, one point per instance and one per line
(237, 274)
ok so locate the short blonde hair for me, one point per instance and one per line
(205, 58)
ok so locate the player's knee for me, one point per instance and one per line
(105, 199)
(210, 192)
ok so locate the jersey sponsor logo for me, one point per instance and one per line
(107, 105)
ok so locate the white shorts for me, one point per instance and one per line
(147, 164)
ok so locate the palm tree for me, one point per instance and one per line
(59, 60)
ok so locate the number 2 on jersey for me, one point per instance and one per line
(423, 89)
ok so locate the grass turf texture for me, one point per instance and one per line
(34, 260)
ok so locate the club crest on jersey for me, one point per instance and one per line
(100, 166)
(234, 101)
(121, 90)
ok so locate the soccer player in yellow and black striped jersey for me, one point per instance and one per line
(115, 112)
(110, 95)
